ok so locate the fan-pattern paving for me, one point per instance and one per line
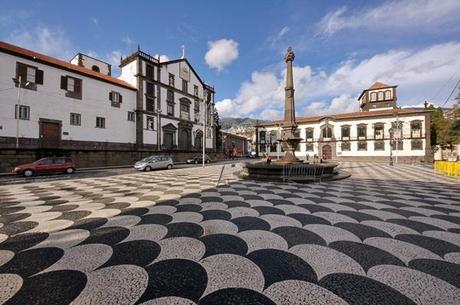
(387, 235)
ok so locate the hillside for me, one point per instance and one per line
(229, 123)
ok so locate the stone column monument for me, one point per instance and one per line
(288, 140)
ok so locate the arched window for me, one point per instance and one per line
(362, 131)
(388, 95)
(373, 97)
(95, 68)
(327, 132)
(346, 132)
(380, 97)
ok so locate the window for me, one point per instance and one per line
(24, 112)
(345, 146)
(416, 145)
(170, 96)
(149, 71)
(373, 97)
(115, 98)
(362, 132)
(397, 145)
(150, 90)
(184, 85)
(100, 122)
(29, 75)
(150, 123)
(380, 96)
(379, 145)
(309, 134)
(388, 94)
(72, 85)
(416, 129)
(262, 137)
(195, 90)
(170, 109)
(378, 131)
(362, 145)
(171, 79)
(345, 132)
(131, 116)
(327, 132)
(309, 147)
(150, 104)
(75, 119)
(95, 68)
(397, 129)
(184, 111)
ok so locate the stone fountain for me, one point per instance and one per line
(289, 141)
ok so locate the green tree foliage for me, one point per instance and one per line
(218, 127)
(445, 126)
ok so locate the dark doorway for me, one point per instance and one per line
(168, 140)
(184, 140)
(327, 152)
(50, 133)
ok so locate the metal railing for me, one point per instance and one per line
(302, 172)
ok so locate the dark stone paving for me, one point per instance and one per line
(387, 235)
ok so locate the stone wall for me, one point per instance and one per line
(9, 158)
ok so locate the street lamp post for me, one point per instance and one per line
(159, 129)
(391, 146)
(205, 97)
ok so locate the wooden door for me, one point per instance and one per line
(50, 134)
(327, 152)
(168, 140)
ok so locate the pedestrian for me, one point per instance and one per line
(269, 159)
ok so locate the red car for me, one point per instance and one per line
(47, 166)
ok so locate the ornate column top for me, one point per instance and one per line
(289, 55)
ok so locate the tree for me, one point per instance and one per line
(218, 127)
(445, 126)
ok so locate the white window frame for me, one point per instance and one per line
(24, 112)
(70, 84)
(99, 120)
(31, 74)
(75, 119)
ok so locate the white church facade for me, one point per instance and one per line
(53, 107)
(379, 130)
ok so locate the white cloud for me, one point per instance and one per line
(273, 40)
(95, 20)
(419, 75)
(43, 39)
(393, 15)
(221, 53)
(270, 114)
(127, 40)
(163, 57)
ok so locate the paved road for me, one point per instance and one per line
(91, 173)
(387, 235)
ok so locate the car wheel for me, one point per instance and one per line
(196, 161)
(28, 173)
(147, 168)
(169, 166)
(69, 170)
(207, 161)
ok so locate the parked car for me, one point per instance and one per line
(154, 162)
(47, 166)
(198, 159)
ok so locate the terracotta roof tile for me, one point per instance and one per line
(351, 115)
(379, 85)
(34, 56)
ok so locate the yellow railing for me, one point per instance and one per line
(447, 168)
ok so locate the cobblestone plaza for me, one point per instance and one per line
(387, 235)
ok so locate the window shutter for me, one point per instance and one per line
(21, 70)
(120, 98)
(39, 77)
(64, 82)
(78, 86)
(110, 95)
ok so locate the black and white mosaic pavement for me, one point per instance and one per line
(387, 235)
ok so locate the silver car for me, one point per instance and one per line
(154, 162)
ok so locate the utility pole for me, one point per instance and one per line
(18, 109)
(398, 136)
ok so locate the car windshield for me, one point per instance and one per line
(150, 159)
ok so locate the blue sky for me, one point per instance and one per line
(341, 47)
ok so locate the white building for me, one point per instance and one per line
(59, 107)
(171, 103)
(378, 130)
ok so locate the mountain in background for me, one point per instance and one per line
(232, 123)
